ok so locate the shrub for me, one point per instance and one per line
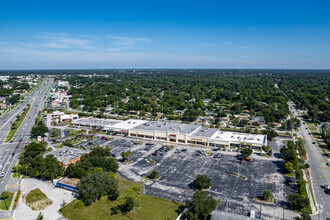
(79, 204)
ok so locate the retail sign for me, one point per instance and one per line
(172, 135)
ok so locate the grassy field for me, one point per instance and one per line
(5, 204)
(37, 200)
(151, 207)
(311, 126)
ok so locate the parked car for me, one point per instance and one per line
(249, 159)
(184, 150)
(218, 155)
(326, 187)
(240, 157)
(2, 174)
(328, 163)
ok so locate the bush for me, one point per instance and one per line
(79, 204)
(16, 198)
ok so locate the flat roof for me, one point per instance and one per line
(127, 124)
(204, 132)
(69, 181)
(65, 154)
(239, 137)
(168, 126)
(96, 121)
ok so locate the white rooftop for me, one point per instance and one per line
(234, 137)
(128, 124)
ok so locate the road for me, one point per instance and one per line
(9, 152)
(320, 172)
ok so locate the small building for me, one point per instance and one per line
(67, 183)
(67, 155)
(68, 118)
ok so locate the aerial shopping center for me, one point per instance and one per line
(176, 132)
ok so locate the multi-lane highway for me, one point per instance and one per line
(9, 152)
(320, 172)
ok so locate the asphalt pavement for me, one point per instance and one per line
(9, 152)
(319, 171)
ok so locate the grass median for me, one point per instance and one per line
(5, 203)
(12, 132)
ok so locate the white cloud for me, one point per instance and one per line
(127, 41)
(239, 46)
(64, 41)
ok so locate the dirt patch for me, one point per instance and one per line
(36, 200)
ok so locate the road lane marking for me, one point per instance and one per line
(318, 163)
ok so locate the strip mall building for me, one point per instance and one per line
(186, 134)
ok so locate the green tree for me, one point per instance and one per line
(288, 166)
(304, 216)
(153, 174)
(51, 169)
(298, 202)
(39, 129)
(126, 154)
(200, 206)
(202, 182)
(246, 152)
(267, 195)
(95, 185)
(266, 148)
(128, 205)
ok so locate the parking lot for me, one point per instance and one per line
(178, 171)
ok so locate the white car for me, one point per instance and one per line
(8, 162)
(2, 174)
(252, 214)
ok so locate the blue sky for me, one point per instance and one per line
(164, 34)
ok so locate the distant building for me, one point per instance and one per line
(257, 119)
(68, 118)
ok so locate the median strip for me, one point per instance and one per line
(17, 123)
